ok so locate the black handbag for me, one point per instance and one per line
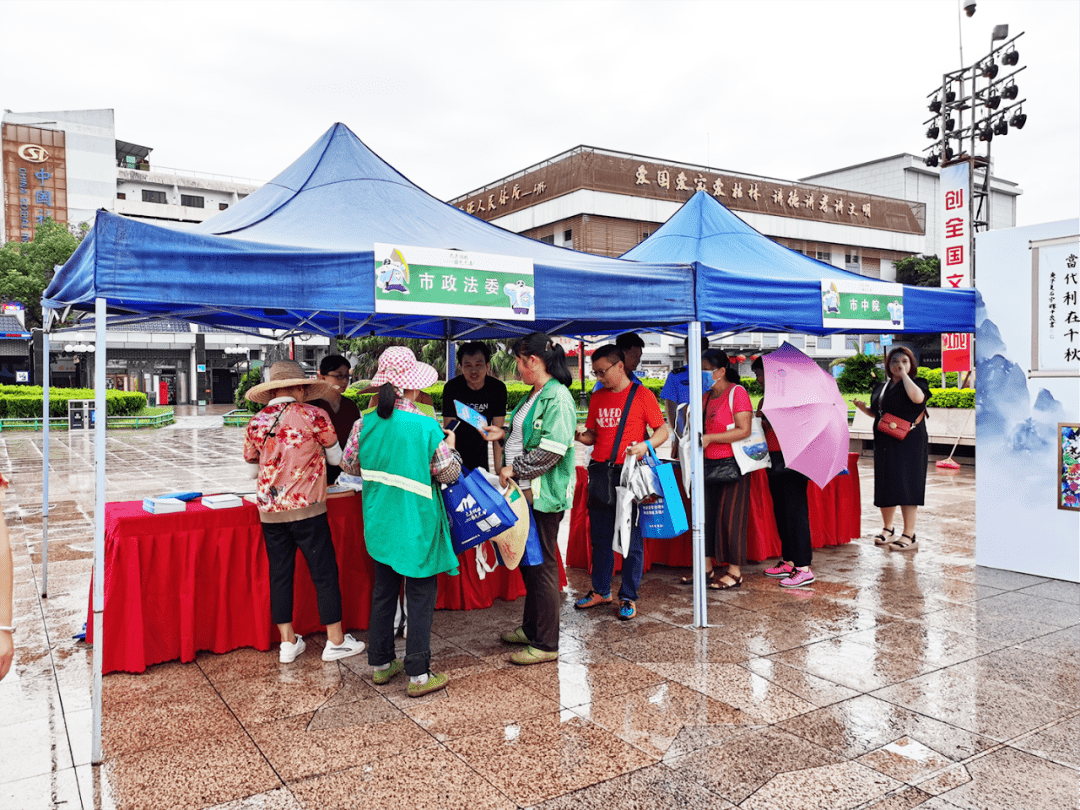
(722, 470)
(604, 475)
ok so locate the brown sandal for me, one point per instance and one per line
(710, 578)
(720, 585)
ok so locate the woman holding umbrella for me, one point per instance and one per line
(899, 464)
(790, 506)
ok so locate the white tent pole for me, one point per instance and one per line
(100, 422)
(45, 458)
(697, 480)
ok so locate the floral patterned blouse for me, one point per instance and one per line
(286, 439)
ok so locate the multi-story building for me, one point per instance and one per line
(605, 202)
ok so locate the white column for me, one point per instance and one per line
(45, 458)
(697, 481)
(99, 520)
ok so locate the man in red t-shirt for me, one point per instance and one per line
(605, 412)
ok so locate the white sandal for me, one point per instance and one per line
(879, 539)
(900, 545)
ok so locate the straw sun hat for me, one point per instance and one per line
(286, 374)
(399, 367)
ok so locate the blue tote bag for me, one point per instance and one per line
(665, 517)
(477, 511)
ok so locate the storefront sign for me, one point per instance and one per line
(956, 351)
(955, 207)
(417, 280)
(35, 179)
(870, 305)
(625, 174)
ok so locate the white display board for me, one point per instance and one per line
(1019, 526)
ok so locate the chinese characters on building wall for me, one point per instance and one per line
(35, 179)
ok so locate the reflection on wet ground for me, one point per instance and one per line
(900, 680)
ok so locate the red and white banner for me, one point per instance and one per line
(956, 351)
(955, 223)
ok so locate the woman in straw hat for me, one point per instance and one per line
(285, 446)
(403, 456)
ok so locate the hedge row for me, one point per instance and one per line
(952, 397)
(25, 401)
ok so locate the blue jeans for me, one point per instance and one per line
(601, 533)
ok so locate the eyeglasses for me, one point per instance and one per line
(341, 376)
(600, 372)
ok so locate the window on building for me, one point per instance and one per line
(851, 342)
(851, 262)
(770, 341)
(549, 239)
(191, 201)
(645, 235)
(824, 256)
(222, 206)
(798, 341)
(825, 342)
(121, 195)
(153, 196)
(568, 237)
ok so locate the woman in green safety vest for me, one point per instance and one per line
(403, 455)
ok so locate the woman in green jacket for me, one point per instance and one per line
(539, 455)
(403, 456)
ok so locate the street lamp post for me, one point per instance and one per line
(81, 352)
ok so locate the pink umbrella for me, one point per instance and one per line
(809, 416)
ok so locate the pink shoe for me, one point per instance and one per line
(798, 579)
(781, 571)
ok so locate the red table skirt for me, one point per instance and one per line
(835, 518)
(180, 583)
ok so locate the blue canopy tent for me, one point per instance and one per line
(298, 254)
(746, 282)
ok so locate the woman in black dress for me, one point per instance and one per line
(899, 465)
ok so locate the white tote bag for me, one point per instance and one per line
(686, 443)
(624, 515)
(751, 453)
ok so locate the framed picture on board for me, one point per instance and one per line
(1068, 466)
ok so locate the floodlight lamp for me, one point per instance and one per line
(935, 105)
(950, 96)
(986, 134)
(1001, 127)
(993, 101)
(1019, 119)
(969, 7)
(1011, 91)
(949, 153)
(933, 132)
(949, 124)
(932, 160)
(1011, 57)
(990, 70)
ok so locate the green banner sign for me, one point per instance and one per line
(875, 306)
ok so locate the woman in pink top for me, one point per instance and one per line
(728, 412)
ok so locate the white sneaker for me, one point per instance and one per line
(289, 652)
(348, 646)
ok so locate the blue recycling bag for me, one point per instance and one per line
(476, 509)
(534, 552)
(665, 517)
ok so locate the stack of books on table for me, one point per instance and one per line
(225, 501)
(161, 506)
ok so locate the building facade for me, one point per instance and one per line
(605, 202)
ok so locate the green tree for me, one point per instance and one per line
(919, 271)
(432, 352)
(27, 267)
(861, 372)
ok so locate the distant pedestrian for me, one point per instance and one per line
(285, 445)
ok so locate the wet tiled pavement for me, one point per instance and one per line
(897, 681)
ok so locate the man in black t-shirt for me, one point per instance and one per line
(484, 394)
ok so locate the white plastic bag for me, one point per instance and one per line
(624, 516)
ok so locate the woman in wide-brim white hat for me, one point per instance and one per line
(403, 456)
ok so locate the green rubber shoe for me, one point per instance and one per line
(381, 677)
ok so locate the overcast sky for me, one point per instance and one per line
(458, 94)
